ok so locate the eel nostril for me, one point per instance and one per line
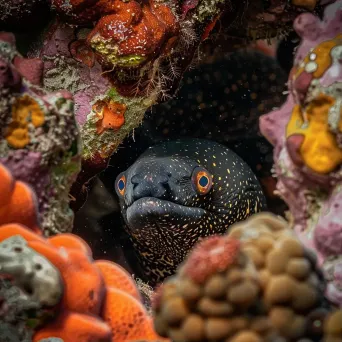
(135, 180)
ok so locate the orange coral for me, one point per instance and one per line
(127, 33)
(318, 147)
(127, 317)
(83, 282)
(71, 326)
(17, 202)
(24, 110)
(111, 115)
(90, 289)
(115, 276)
(100, 298)
(71, 241)
(12, 229)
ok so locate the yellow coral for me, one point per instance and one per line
(24, 110)
(319, 60)
(319, 150)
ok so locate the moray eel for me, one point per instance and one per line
(221, 101)
(180, 191)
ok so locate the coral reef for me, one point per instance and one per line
(106, 292)
(120, 58)
(59, 290)
(29, 285)
(17, 202)
(257, 283)
(30, 271)
(39, 139)
(126, 33)
(131, 58)
(306, 133)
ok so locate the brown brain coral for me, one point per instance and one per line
(270, 289)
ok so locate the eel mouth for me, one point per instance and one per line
(148, 211)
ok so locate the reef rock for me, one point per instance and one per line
(39, 140)
(306, 133)
(31, 271)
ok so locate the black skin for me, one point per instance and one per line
(180, 191)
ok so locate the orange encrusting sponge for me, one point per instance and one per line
(71, 326)
(100, 302)
(17, 202)
(117, 277)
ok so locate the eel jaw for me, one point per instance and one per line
(150, 211)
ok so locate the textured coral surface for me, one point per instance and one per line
(127, 33)
(28, 280)
(88, 300)
(39, 135)
(306, 133)
(257, 283)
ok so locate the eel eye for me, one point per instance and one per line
(121, 185)
(202, 180)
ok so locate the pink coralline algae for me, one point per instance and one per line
(39, 140)
(306, 132)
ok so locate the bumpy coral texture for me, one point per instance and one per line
(268, 289)
(97, 300)
(119, 59)
(30, 284)
(104, 116)
(100, 301)
(17, 202)
(127, 33)
(127, 40)
(39, 137)
(306, 132)
(31, 272)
